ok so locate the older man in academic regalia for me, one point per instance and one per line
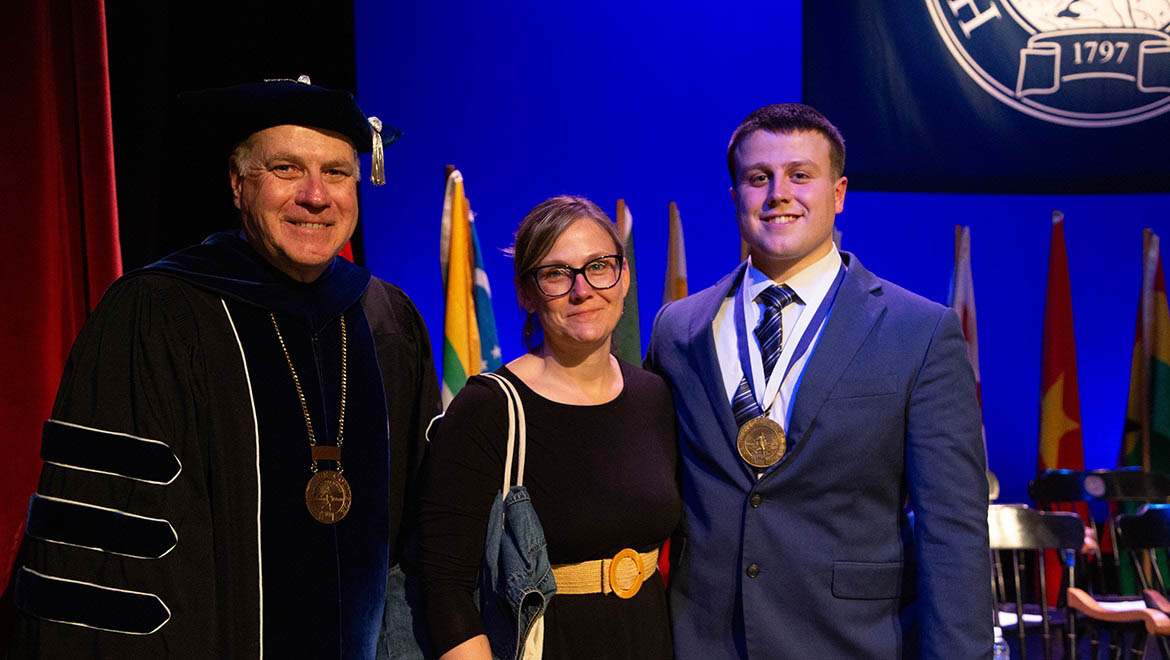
(230, 454)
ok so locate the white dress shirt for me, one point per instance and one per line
(811, 285)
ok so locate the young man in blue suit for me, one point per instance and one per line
(814, 401)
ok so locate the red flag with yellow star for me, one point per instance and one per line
(1061, 445)
(1060, 410)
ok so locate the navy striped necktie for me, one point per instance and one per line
(770, 335)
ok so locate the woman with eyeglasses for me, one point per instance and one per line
(600, 460)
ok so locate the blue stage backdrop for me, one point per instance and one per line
(637, 100)
(996, 95)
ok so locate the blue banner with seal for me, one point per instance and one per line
(995, 95)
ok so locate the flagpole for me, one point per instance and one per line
(958, 248)
(462, 350)
(676, 258)
(1144, 378)
(1149, 272)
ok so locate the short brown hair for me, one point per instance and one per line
(543, 225)
(784, 118)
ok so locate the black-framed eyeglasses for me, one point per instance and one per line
(556, 280)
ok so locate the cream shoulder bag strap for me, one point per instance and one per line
(517, 435)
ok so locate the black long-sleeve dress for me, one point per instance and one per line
(601, 477)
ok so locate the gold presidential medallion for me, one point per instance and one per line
(761, 442)
(328, 496)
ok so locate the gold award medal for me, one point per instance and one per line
(761, 442)
(328, 496)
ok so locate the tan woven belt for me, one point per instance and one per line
(622, 575)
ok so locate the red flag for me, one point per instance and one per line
(1060, 411)
(1061, 445)
(962, 300)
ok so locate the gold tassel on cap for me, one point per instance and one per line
(377, 159)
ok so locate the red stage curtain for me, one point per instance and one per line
(59, 218)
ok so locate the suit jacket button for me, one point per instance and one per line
(755, 501)
(753, 570)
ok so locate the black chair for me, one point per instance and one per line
(1099, 603)
(1146, 535)
(1017, 531)
(1059, 489)
(1120, 485)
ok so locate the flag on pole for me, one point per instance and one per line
(1061, 445)
(469, 328)
(627, 336)
(676, 260)
(676, 287)
(1146, 440)
(1146, 436)
(485, 316)
(1060, 411)
(962, 299)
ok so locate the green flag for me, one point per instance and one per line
(1146, 440)
(489, 343)
(1146, 437)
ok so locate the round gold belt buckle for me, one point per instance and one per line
(626, 592)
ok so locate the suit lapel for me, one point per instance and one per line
(706, 364)
(853, 316)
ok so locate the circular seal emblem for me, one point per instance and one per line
(328, 496)
(1089, 63)
(761, 442)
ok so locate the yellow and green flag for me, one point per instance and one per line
(1146, 440)
(470, 344)
(1146, 436)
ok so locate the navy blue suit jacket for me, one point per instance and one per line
(885, 410)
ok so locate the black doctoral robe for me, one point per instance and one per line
(170, 518)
